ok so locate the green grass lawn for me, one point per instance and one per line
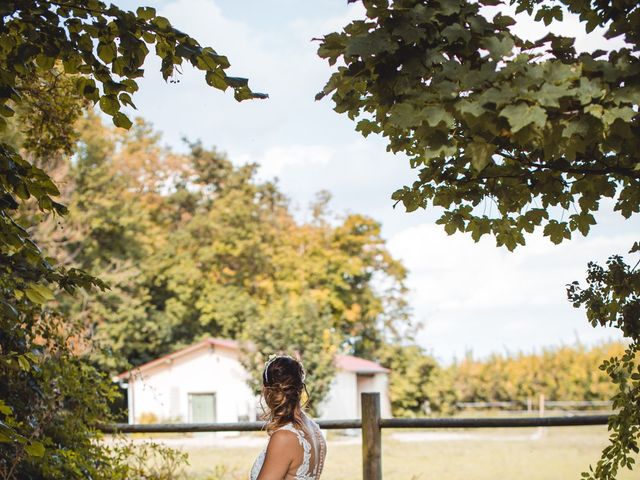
(492, 454)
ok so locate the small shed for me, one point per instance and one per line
(205, 382)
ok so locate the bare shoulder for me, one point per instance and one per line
(283, 440)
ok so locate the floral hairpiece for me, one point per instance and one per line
(269, 361)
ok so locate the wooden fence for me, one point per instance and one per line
(371, 425)
(529, 405)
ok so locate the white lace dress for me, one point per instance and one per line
(306, 470)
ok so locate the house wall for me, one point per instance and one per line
(164, 389)
(378, 382)
(342, 401)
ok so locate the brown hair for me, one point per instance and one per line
(283, 384)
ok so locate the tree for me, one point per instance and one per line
(196, 246)
(294, 327)
(565, 373)
(510, 136)
(417, 384)
(50, 396)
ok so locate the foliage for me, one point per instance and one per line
(149, 460)
(612, 298)
(49, 397)
(55, 56)
(417, 384)
(565, 373)
(508, 135)
(46, 407)
(490, 118)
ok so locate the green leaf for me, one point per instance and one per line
(582, 222)
(126, 99)
(503, 21)
(45, 62)
(216, 79)
(71, 64)
(557, 231)
(35, 449)
(498, 47)
(161, 23)
(625, 114)
(402, 115)
(107, 51)
(550, 94)
(8, 434)
(6, 111)
(371, 44)
(522, 115)
(109, 104)
(122, 121)
(366, 127)
(436, 115)
(594, 110)
(24, 363)
(38, 293)
(480, 152)
(5, 409)
(558, 72)
(470, 107)
(146, 13)
(590, 89)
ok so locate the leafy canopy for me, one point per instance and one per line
(55, 58)
(504, 132)
(509, 136)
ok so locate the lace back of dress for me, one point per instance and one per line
(313, 451)
(319, 451)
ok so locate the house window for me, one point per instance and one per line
(202, 407)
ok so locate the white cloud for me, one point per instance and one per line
(475, 295)
(276, 160)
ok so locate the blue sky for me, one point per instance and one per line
(467, 296)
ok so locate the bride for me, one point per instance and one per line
(296, 448)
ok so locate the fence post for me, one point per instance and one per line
(371, 441)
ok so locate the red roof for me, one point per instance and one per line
(348, 363)
(358, 365)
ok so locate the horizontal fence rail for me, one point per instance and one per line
(547, 403)
(508, 422)
(215, 427)
(371, 425)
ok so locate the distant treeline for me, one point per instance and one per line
(561, 373)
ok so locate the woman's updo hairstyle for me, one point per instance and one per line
(283, 382)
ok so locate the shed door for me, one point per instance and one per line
(202, 407)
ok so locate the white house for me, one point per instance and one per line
(206, 382)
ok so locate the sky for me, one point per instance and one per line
(468, 297)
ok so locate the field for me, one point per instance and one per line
(531, 454)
